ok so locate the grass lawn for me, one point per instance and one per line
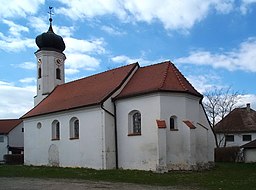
(224, 176)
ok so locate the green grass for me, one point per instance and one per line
(224, 176)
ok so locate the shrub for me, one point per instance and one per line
(226, 154)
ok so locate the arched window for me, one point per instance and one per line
(58, 73)
(39, 72)
(173, 123)
(74, 128)
(134, 123)
(55, 130)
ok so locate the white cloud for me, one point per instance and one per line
(13, 8)
(245, 5)
(77, 9)
(15, 100)
(242, 58)
(10, 44)
(79, 53)
(112, 30)
(28, 80)
(14, 42)
(247, 98)
(41, 24)
(26, 65)
(204, 83)
(124, 60)
(83, 46)
(78, 61)
(173, 14)
(15, 29)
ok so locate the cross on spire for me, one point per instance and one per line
(50, 13)
(50, 19)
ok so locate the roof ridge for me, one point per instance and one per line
(136, 63)
(177, 73)
(165, 74)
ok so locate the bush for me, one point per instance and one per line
(227, 154)
(14, 158)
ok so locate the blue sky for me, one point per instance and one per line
(212, 42)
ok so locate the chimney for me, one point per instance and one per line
(248, 108)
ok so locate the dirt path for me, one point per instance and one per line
(67, 184)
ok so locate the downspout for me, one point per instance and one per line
(116, 137)
(114, 116)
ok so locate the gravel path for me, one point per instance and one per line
(67, 184)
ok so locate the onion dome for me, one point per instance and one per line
(50, 41)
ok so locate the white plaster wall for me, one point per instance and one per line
(204, 124)
(83, 152)
(138, 152)
(238, 139)
(109, 144)
(178, 142)
(186, 146)
(16, 136)
(3, 147)
(249, 155)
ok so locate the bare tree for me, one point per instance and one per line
(219, 102)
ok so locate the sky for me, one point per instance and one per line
(212, 42)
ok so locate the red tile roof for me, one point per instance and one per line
(161, 123)
(189, 124)
(6, 125)
(155, 78)
(94, 90)
(88, 91)
(239, 120)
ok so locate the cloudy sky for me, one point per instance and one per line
(212, 42)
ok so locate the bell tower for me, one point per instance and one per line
(50, 62)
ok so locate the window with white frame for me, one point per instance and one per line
(55, 130)
(74, 128)
(134, 123)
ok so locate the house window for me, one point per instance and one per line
(55, 130)
(247, 137)
(39, 72)
(1, 138)
(58, 73)
(229, 138)
(74, 128)
(134, 123)
(173, 123)
(22, 129)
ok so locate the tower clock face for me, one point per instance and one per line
(58, 62)
(39, 61)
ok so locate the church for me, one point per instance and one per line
(131, 117)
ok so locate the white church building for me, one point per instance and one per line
(131, 117)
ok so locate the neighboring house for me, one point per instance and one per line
(237, 128)
(131, 117)
(249, 151)
(11, 137)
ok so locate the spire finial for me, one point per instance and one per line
(50, 19)
(50, 13)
